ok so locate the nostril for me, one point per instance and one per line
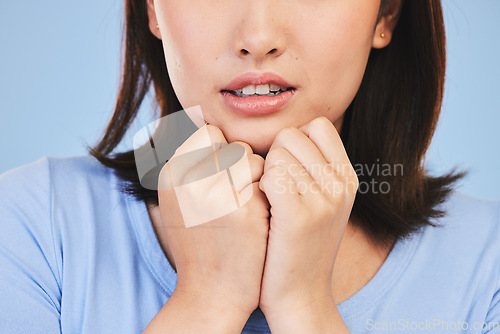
(246, 52)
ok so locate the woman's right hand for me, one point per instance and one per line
(219, 262)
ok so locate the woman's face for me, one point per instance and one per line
(318, 47)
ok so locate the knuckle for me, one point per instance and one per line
(286, 133)
(164, 180)
(276, 153)
(276, 156)
(340, 188)
(324, 121)
(275, 170)
(351, 179)
(324, 127)
(215, 134)
(321, 123)
(164, 172)
(256, 161)
(344, 188)
(265, 179)
(248, 148)
(355, 183)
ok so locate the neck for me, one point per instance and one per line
(359, 258)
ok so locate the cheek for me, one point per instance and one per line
(336, 61)
(188, 45)
(327, 52)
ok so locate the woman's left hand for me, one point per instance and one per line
(310, 185)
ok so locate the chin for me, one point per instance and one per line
(259, 146)
(260, 143)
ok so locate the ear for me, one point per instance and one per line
(387, 23)
(153, 22)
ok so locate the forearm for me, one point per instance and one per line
(314, 319)
(188, 314)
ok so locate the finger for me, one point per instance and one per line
(248, 148)
(279, 187)
(206, 199)
(255, 161)
(221, 160)
(256, 166)
(253, 193)
(206, 136)
(232, 160)
(248, 169)
(303, 182)
(243, 173)
(339, 170)
(199, 147)
(323, 134)
(303, 149)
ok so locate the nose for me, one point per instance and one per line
(260, 33)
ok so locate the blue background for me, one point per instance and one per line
(60, 67)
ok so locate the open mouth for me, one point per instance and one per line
(259, 90)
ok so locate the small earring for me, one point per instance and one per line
(157, 26)
(382, 35)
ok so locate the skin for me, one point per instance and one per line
(321, 48)
(235, 37)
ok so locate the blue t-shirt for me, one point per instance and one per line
(79, 256)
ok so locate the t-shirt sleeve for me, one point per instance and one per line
(492, 322)
(30, 272)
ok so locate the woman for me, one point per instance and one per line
(87, 248)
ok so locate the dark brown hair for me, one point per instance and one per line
(390, 122)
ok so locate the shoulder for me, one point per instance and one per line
(35, 196)
(78, 186)
(39, 182)
(466, 220)
(39, 175)
(81, 179)
(48, 209)
(37, 188)
(466, 236)
(477, 218)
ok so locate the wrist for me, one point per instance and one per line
(197, 313)
(215, 302)
(218, 298)
(318, 316)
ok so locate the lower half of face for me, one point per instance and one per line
(219, 52)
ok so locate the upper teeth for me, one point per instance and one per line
(259, 89)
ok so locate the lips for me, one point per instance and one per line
(256, 79)
(257, 105)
